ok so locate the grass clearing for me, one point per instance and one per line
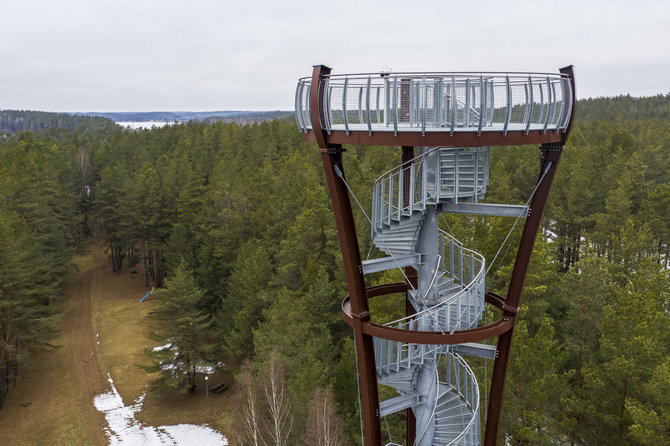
(123, 329)
(53, 400)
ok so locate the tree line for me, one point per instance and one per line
(234, 228)
(13, 121)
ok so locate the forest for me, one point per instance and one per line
(233, 227)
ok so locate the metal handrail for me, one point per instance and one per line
(434, 102)
(389, 193)
(473, 401)
(479, 277)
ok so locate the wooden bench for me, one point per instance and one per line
(219, 388)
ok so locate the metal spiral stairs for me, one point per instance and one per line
(432, 379)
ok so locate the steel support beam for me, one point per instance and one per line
(488, 209)
(331, 155)
(550, 156)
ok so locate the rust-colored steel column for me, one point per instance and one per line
(331, 155)
(411, 273)
(550, 156)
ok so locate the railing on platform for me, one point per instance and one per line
(439, 102)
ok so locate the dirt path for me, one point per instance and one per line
(53, 400)
(88, 376)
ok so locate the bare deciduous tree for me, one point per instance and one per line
(325, 426)
(280, 421)
(83, 162)
(250, 412)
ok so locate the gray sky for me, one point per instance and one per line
(143, 55)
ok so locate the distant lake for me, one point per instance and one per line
(134, 125)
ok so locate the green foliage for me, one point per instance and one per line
(40, 224)
(180, 327)
(536, 387)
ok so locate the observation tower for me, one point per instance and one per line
(444, 124)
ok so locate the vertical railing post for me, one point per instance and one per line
(482, 104)
(425, 106)
(390, 201)
(401, 193)
(508, 112)
(367, 106)
(344, 106)
(466, 117)
(529, 102)
(454, 105)
(549, 99)
(387, 101)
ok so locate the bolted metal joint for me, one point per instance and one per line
(510, 309)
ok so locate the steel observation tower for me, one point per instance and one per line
(444, 123)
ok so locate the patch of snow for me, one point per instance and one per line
(199, 368)
(206, 369)
(124, 429)
(162, 347)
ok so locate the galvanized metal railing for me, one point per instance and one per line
(467, 268)
(458, 311)
(461, 379)
(439, 102)
(425, 180)
(464, 306)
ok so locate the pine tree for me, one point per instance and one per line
(181, 327)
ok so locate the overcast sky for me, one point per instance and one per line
(144, 55)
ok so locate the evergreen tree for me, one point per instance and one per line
(180, 327)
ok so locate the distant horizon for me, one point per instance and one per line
(149, 111)
(261, 110)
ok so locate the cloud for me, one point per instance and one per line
(124, 55)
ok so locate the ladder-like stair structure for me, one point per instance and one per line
(449, 409)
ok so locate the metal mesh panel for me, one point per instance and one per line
(442, 102)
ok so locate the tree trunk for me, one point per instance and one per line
(4, 386)
(146, 274)
(623, 408)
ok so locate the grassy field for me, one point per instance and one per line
(104, 330)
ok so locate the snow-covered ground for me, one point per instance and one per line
(200, 368)
(125, 430)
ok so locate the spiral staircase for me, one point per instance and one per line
(432, 379)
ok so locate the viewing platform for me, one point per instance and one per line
(463, 109)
